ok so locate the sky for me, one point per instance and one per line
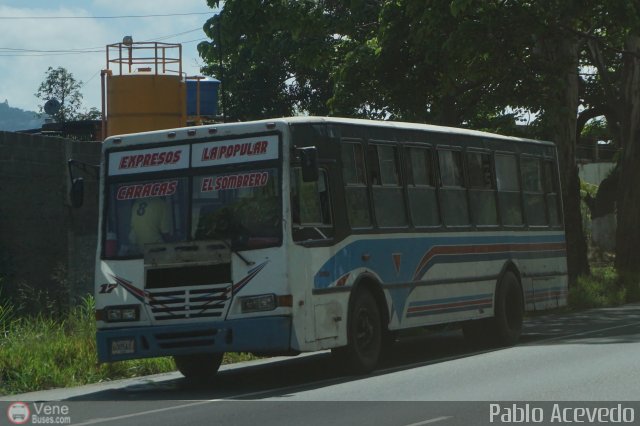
(22, 70)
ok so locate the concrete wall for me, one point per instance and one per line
(43, 240)
(594, 173)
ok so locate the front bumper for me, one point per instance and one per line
(263, 334)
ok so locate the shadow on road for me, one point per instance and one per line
(284, 377)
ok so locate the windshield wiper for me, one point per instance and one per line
(220, 238)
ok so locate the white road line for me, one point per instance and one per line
(426, 422)
(582, 333)
(143, 413)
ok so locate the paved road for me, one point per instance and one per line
(562, 357)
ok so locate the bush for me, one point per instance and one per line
(601, 288)
(39, 352)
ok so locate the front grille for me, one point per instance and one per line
(185, 276)
(201, 302)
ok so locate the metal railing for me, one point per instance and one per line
(145, 57)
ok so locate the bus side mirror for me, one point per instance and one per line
(77, 192)
(309, 161)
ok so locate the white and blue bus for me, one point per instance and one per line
(301, 234)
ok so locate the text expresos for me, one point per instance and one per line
(149, 160)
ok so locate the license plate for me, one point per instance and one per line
(124, 346)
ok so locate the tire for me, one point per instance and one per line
(364, 335)
(199, 367)
(505, 327)
(509, 310)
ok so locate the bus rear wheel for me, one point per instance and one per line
(199, 367)
(509, 310)
(364, 335)
(505, 327)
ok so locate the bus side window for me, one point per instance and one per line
(551, 193)
(388, 197)
(482, 189)
(533, 194)
(356, 194)
(310, 200)
(453, 195)
(508, 189)
(423, 202)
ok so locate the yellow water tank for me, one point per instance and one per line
(143, 87)
(142, 102)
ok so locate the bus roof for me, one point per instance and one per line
(410, 126)
(183, 133)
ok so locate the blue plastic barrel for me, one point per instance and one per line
(208, 96)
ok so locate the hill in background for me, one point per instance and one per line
(12, 119)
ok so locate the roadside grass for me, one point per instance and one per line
(38, 352)
(604, 287)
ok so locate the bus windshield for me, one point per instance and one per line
(242, 208)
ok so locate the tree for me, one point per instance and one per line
(280, 58)
(614, 49)
(454, 62)
(60, 84)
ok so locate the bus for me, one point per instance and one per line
(310, 233)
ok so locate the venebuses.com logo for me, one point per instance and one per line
(18, 413)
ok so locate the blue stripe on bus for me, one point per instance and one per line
(449, 305)
(450, 300)
(412, 252)
(448, 310)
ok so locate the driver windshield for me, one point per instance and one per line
(145, 212)
(241, 207)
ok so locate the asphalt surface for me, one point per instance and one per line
(572, 360)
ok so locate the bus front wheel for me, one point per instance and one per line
(198, 367)
(364, 335)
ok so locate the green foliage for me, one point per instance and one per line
(42, 353)
(587, 188)
(7, 313)
(605, 287)
(280, 58)
(39, 352)
(598, 290)
(597, 130)
(406, 60)
(61, 85)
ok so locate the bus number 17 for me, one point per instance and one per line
(107, 288)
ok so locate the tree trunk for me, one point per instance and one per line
(628, 216)
(561, 110)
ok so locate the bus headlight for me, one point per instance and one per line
(122, 313)
(265, 302)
